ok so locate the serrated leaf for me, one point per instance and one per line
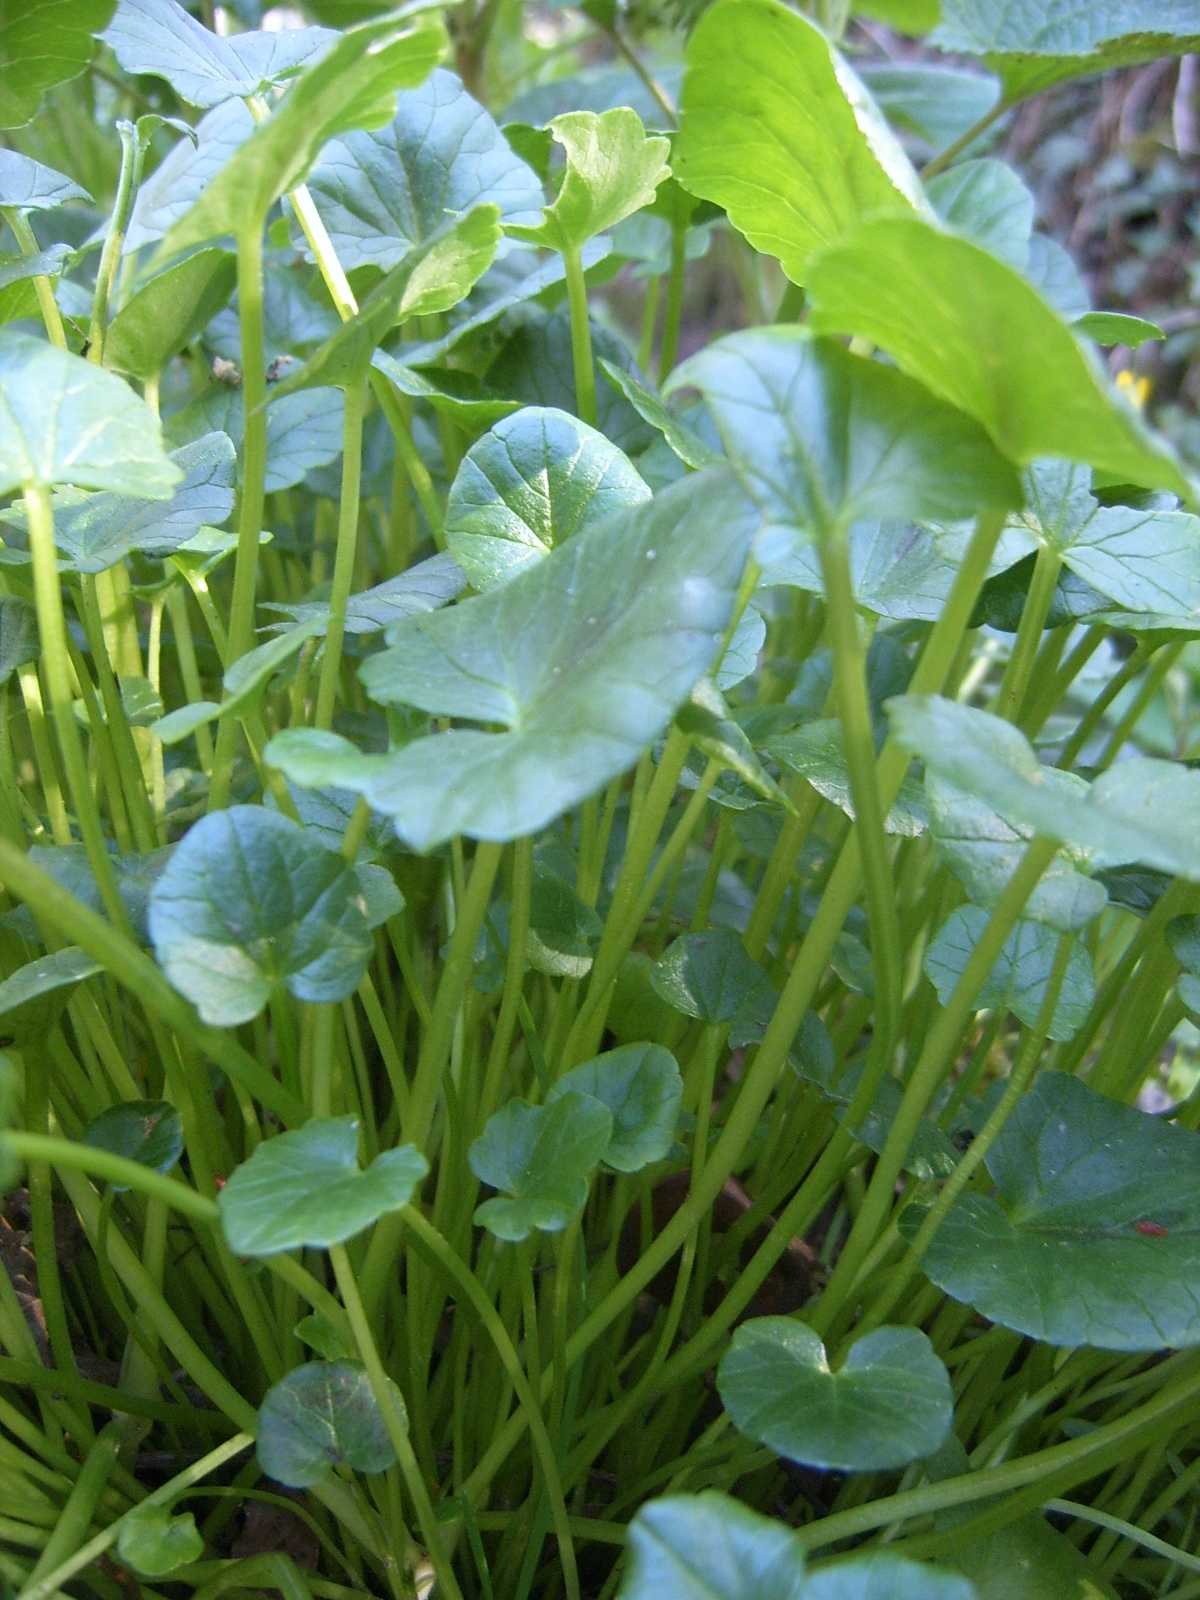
(975, 332)
(147, 1131)
(321, 1416)
(94, 531)
(249, 904)
(159, 38)
(65, 420)
(613, 168)
(42, 45)
(1059, 1254)
(790, 184)
(154, 1542)
(353, 85)
(889, 1403)
(27, 185)
(541, 1158)
(32, 997)
(383, 194)
(643, 1090)
(823, 438)
(533, 480)
(1020, 979)
(167, 311)
(306, 1190)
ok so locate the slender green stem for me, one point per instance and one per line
(581, 337)
(22, 232)
(112, 1168)
(1010, 699)
(1094, 715)
(964, 141)
(673, 313)
(132, 153)
(347, 544)
(71, 1529)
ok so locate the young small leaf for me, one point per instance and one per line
(888, 1404)
(541, 1157)
(305, 1189)
(154, 1542)
(643, 1090)
(322, 1415)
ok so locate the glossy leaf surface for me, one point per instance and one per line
(148, 1131)
(540, 1158)
(322, 1415)
(643, 1090)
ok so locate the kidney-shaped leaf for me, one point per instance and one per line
(613, 169)
(1020, 979)
(975, 332)
(154, 1543)
(888, 1404)
(584, 658)
(643, 1090)
(306, 1189)
(822, 437)
(1092, 1239)
(530, 482)
(709, 1547)
(249, 903)
(709, 976)
(148, 1131)
(383, 193)
(541, 1158)
(323, 1415)
(792, 180)
(65, 420)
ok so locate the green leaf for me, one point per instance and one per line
(1057, 279)
(249, 904)
(353, 85)
(167, 311)
(1034, 47)
(535, 479)
(304, 430)
(988, 202)
(709, 1547)
(816, 753)
(643, 1090)
(425, 587)
(884, 1577)
(708, 976)
(65, 420)
(938, 104)
(1114, 327)
(983, 851)
(1059, 1254)
(32, 997)
(94, 531)
(541, 1158)
(973, 331)
(42, 45)
(792, 184)
(1138, 811)
(627, 603)
(27, 185)
(824, 438)
(18, 635)
(320, 1335)
(889, 1403)
(154, 1543)
(170, 191)
(707, 722)
(160, 39)
(564, 931)
(686, 443)
(306, 1190)
(454, 394)
(147, 1131)
(244, 681)
(383, 194)
(1028, 1560)
(613, 168)
(1021, 976)
(321, 1416)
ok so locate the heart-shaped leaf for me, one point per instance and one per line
(823, 438)
(889, 1403)
(94, 531)
(643, 1090)
(305, 1189)
(1139, 811)
(532, 481)
(383, 194)
(614, 629)
(975, 332)
(167, 311)
(790, 184)
(321, 1416)
(1021, 976)
(1092, 1238)
(147, 1131)
(613, 168)
(154, 1542)
(249, 904)
(27, 185)
(709, 976)
(541, 1157)
(352, 85)
(65, 420)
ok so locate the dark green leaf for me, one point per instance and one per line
(321, 1416)
(642, 1088)
(686, 444)
(456, 395)
(1021, 976)
(563, 931)
(248, 904)
(306, 1190)
(304, 431)
(147, 1131)
(167, 311)
(709, 976)
(1059, 1255)
(32, 997)
(889, 1403)
(541, 1157)
(425, 587)
(18, 635)
(815, 752)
